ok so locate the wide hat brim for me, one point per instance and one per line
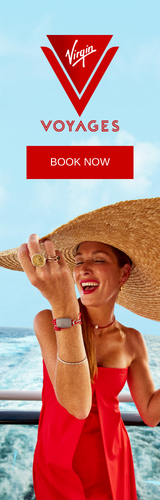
(133, 227)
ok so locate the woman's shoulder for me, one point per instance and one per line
(135, 340)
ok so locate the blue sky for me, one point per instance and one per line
(30, 92)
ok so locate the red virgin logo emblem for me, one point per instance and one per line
(83, 62)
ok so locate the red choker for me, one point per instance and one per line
(100, 327)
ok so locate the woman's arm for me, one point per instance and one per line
(141, 384)
(71, 382)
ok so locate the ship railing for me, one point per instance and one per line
(31, 417)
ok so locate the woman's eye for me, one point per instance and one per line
(99, 260)
(80, 263)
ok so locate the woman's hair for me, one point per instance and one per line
(122, 258)
(87, 329)
(87, 332)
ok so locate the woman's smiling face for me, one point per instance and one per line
(97, 274)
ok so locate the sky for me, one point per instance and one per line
(30, 92)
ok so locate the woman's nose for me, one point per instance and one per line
(86, 267)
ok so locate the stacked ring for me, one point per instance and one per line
(39, 260)
(55, 258)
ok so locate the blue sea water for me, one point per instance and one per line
(21, 368)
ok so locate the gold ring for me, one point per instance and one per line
(55, 258)
(38, 260)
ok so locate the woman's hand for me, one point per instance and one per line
(54, 279)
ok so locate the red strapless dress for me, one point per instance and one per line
(84, 459)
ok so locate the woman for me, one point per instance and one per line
(83, 450)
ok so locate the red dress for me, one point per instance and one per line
(84, 459)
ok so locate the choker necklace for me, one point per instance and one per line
(100, 327)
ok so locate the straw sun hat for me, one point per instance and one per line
(131, 226)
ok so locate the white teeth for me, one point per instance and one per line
(89, 283)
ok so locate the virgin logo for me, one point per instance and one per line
(71, 50)
(77, 56)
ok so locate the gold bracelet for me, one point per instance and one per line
(67, 363)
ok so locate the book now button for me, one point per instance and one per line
(79, 162)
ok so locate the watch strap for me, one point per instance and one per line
(62, 323)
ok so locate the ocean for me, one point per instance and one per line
(21, 368)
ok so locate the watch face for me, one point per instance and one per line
(38, 260)
(63, 322)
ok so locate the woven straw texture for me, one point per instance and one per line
(133, 227)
